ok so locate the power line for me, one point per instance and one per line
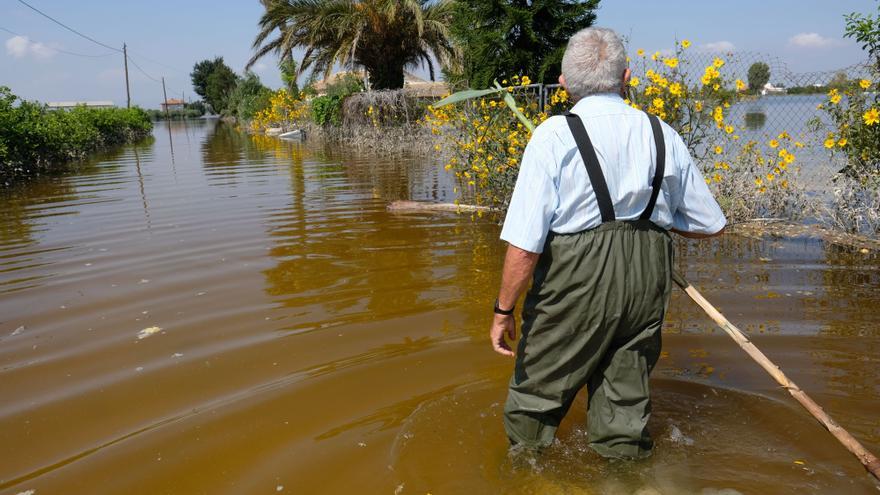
(56, 49)
(65, 26)
(138, 67)
(148, 59)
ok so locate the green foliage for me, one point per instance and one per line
(504, 38)
(213, 80)
(346, 85)
(327, 110)
(198, 106)
(289, 76)
(185, 113)
(759, 74)
(34, 139)
(866, 30)
(248, 97)
(384, 36)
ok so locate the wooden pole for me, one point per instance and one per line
(127, 92)
(868, 460)
(165, 95)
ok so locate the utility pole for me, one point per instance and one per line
(127, 91)
(166, 98)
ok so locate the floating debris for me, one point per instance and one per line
(148, 332)
(27, 492)
(17, 331)
(279, 488)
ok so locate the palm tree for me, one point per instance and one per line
(383, 36)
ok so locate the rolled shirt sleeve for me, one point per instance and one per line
(695, 208)
(535, 197)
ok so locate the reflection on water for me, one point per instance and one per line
(312, 342)
(755, 120)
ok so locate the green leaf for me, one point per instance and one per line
(511, 102)
(466, 95)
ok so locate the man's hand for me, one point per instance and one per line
(500, 326)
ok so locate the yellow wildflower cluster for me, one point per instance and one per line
(770, 167)
(853, 108)
(284, 109)
(485, 142)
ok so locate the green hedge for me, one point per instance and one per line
(36, 140)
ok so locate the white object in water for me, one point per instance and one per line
(294, 134)
(148, 331)
(274, 131)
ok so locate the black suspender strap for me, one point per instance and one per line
(594, 171)
(659, 169)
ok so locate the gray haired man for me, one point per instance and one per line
(598, 191)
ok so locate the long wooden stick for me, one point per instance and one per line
(868, 460)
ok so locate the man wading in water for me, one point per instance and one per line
(598, 190)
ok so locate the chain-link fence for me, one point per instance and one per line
(789, 102)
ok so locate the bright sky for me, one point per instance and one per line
(805, 34)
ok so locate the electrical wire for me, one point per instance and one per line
(57, 49)
(65, 26)
(148, 59)
(138, 67)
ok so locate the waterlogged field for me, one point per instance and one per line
(214, 313)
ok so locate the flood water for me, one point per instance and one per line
(213, 313)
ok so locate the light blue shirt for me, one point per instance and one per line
(553, 191)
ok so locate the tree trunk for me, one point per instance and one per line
(386, 76)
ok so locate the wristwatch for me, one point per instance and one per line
(505, 312)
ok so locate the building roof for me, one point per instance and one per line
(71, 104)
(174, 101)
(411, 83)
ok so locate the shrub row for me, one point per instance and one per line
(36, 140)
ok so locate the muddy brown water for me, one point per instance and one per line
(312, 342)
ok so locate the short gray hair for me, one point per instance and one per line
(594, 62)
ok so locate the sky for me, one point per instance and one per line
(166, 38)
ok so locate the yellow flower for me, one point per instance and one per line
(716, 177)
(759, 182)
(655, 56)
(698, 106)
(717, 62)
(525, 81)
(865, 83)
(784, 184)
(728, 129)
(657, 103)
(634, 82)
(799, 144)
(675, 89)
(841, 142)
(770, 177)
(706, 79)
(671, 62)
(871, 117)
(719, 150)
(640, 52)
(829, 143)
(773, 143)
(835, 99)
(716, 86)
(685, 44)
(740, 85)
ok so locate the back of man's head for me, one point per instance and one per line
(594, 62)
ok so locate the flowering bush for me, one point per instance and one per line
(695, 109)
(283, 111)
(485, 142)
(855, 113)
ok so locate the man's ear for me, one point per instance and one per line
(562, 82)
(626, 75)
